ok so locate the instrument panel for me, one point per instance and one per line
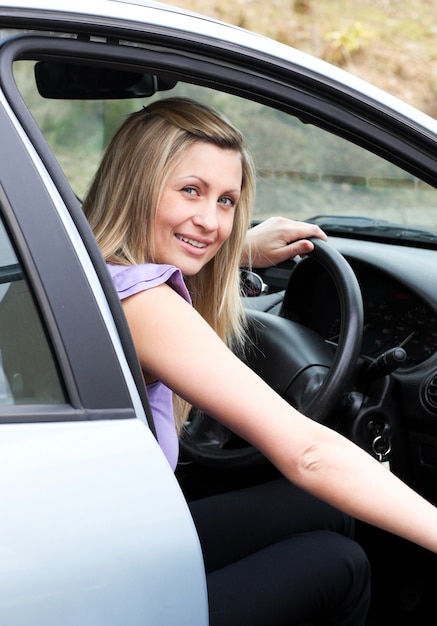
(393, 314)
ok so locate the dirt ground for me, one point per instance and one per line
(390, 43)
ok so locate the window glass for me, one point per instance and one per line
(28, 374)
(303, 170)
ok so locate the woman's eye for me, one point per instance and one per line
(227, 201)
(191, 191)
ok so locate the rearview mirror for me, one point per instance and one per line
(70, 81)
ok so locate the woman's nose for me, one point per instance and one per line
(206, 217)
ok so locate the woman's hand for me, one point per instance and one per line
(278, 239)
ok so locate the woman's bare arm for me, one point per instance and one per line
(176, 346)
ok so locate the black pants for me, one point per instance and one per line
(274, 555)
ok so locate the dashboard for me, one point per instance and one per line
(398, 288)
(393, 316)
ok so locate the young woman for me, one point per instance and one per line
(170, 208)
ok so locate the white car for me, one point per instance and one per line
(94, 526)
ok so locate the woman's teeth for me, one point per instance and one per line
(193, 242)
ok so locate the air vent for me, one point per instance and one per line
(430, 392)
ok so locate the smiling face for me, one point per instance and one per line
(196, 211)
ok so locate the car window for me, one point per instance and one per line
(303, 170)
(28, 374)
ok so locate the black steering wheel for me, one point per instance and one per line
(294, 360)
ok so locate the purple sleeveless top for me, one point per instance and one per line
(132, 279)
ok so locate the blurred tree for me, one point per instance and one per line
(302, 6)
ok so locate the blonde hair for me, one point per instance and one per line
(122, 202)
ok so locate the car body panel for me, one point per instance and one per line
(78, 542)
